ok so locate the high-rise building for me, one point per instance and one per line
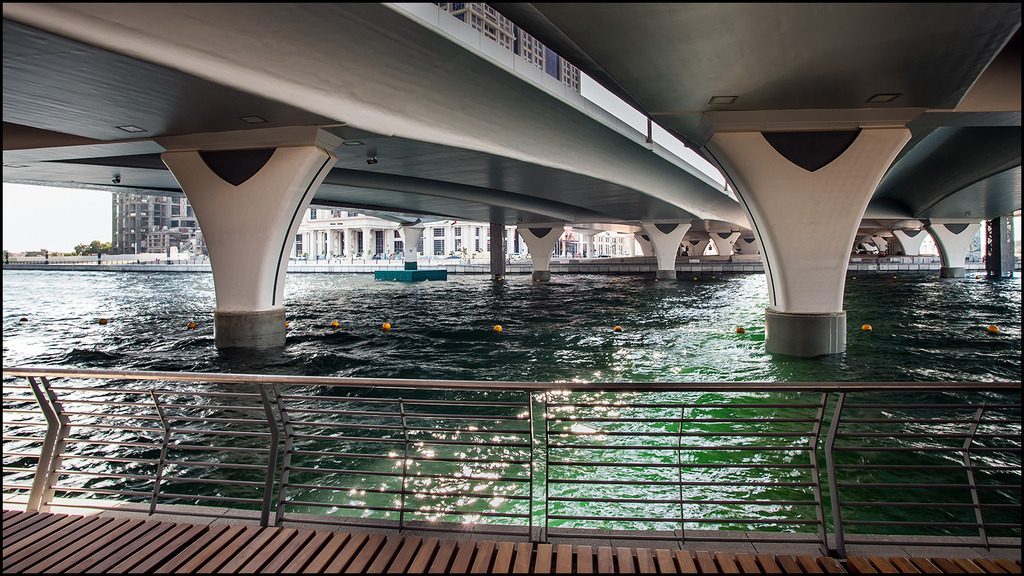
(501, 30)
(144, 223)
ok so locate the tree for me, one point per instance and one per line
(94, 247)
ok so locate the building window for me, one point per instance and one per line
(312, 213)
(298, 244)
(458, 232)
(398, 235)
(438, 232)
(439, 247)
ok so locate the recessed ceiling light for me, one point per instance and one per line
(883, 98)
(131, 128)
(715, 100)
(352, 143)
(252, 119)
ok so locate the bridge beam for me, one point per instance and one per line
(541, 241)
(665, 238)
(249, 193)
(910, 241)
(953, 237)
(806, 184)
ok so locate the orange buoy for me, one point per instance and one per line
(616, 328)
(386, 326)
(741, 330)
(497, 328)
(103, 321)
(191, 325)
(865, 327)
(335, 324)
(993, 329)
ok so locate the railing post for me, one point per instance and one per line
(163, 452)
(530, 472)
(59, 443)
(53, 425)
(268, 486)
(833, 486)
(679, 471)
(970, 476)
(286, 462)
(816, 473)
(547, 467)
(405, 465)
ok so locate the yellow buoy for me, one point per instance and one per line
(616, 328)
(993, 329)
(866, 327)
(103, 321)
(191, 325)
(335, 324)
(741, 330)
(386, 326)
(286, 324)
(497, 328)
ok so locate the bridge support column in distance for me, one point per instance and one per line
(697, 244)
(806, 184)
(497, 250)
(747, 245)
(541, 241)
(881, 243)
(910, 241)
(724, 242)
(666, 238)
(999, 257)
(411, 236)
(953, 239)
(646, 248)
(250, 190)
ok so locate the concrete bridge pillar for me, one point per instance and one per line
(999, 258)
(724, 242)
(349, 242)
(747, 245)
(541, 241)
(498, 249)
(697, 246)
(646, 248)
(411, 235)
(953, 239)
(798, 185)
(910, 241)
(665, 238)
(881, 243)
(250, 190)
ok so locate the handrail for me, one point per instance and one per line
(621, 456)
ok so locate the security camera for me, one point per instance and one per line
(371, 159)
(116, 180)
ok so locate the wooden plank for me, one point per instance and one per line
(67, 546)
(605, 560)
(94, 546)
(8, 514)
(830, 565)
(768, 564)
(967, 566)
(67, 533)
(117, 546)
(335, 542)
(405, 555)
(351, 552)
(155, 553)
(162, 531)
(747, 563)
(443, 557)
(925, 566)
(584, 560)
(503, 557)
(462, 559)
(303, 555)
(386, 554)
(666, 565)
(362, 558)
(988, 565)
(261, 558)
(946, 565)
(726, 563)
(563, 559)
(484, 553)
(706, 563)
(213, 562)
(524, 558)
(21, 522)
(542, 561)
(645, 561)
(275, 562)
(684, 558)
(860, 565)
(809, 565)
(788, 563)
(904, 565)
(1008, 565)
(421, 561)
(220, 535)
(26, 540)
(624, 560)
(245, 553)
(883, 565)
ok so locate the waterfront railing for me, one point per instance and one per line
(830, 464)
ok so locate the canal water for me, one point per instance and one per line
(923, 329)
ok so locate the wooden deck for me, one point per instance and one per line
(58, 543)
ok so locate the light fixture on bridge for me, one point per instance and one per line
(352, 143)
(720, 100)
(371, 159)
(883, 98)
(131, 128)
(253, 119)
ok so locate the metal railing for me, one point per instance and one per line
(827, 464)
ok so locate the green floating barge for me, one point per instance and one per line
(410, 274)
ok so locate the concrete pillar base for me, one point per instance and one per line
(665, 275)
(541, 275)
(951, 272)
(264, 329)
(805, 335)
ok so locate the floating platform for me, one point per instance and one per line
(410, 274)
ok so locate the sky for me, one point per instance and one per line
(57, 219)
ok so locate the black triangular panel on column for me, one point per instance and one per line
(811, 150)
(236, 166)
